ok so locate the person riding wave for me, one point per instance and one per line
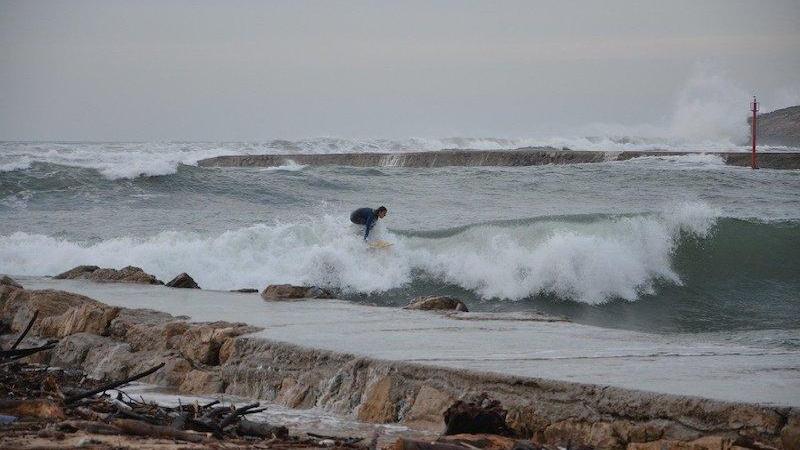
(368, 217)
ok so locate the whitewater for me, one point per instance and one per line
(670, 243)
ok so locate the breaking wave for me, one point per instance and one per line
(588, 259)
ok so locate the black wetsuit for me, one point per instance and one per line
(364, 216)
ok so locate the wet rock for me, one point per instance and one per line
(18, 305)
(116, 361)
(481, 441)
(704, 443)
(378, 406)
(73, 350)
(790, 434)
(226, 350)
(478, 416)
(288, 291)
(174, 372)
(144, 329)
(437, 302)
(87, 318)
(202, 382)
(201, 343)
(6, 280)
(428, 407)
(640, 432)
(526, 421)
(245, 290)
(183, 281)
(568, 433)
(60, 313)
(129, 274)
(292, 393)
(573, 432)
(76, 272)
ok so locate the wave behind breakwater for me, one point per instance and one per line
(120, 160)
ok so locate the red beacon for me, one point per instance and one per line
(754, 109)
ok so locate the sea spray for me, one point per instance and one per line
(587, 259)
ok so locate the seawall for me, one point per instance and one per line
(517, 157)
(220, 357)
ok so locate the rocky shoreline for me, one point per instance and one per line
(220, 357)
(516, 157)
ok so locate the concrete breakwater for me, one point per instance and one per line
(517, 157)
(220, 357)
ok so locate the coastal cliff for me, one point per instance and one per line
(780, 127)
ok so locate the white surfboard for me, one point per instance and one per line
(379, 244)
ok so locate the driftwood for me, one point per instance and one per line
(15, 354)
(25, 332)
(413, 444)
(89, 426)
(228, 420)
(262, 430)
(113, 385)
(138, 428)
(35, 391)
(43, 409)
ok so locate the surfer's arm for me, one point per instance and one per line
(366, 231)
(368, 227)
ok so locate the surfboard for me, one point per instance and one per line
(379, 244)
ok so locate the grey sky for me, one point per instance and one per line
(235, 70)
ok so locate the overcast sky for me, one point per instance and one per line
(237, 70)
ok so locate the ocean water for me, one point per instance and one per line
(659, 244)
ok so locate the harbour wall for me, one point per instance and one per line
(513, 158)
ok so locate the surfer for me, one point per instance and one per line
(367, 217)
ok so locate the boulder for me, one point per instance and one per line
(143, 329)
(526, 421)
(437, 302)
(704, 443)
(568, 433)
(73, 350)
(87, 318)
(482, 415)
(6, 280)
(129, 274)
(226, 350)
(60, 313)
(201, 382)
(201, 343)
(790, 434)
(428, 407)
(288, 291)
(76, 272)
(378, 406)
(292, 393)
(481, 441)
(183, 281)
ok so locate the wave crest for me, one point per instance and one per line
(589, 259)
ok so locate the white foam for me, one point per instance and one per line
(16, 164)
(589, 262)
(112, 160)
(290, 166)
(694, 161)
